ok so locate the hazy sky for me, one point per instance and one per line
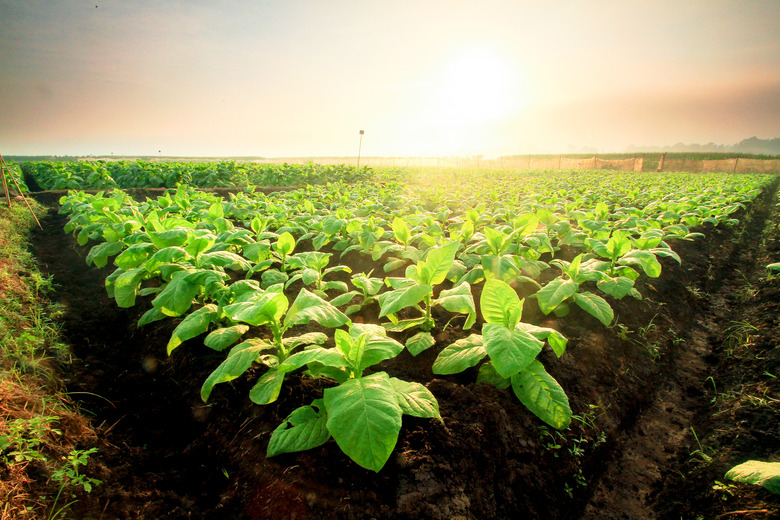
(302, 77)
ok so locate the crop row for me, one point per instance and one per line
(98, 175)
(471, 255)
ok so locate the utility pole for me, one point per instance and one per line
(359, 147)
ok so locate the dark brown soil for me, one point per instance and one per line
(640, 393)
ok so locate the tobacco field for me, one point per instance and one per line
(265, 341)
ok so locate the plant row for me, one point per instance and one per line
(228, 269)
(98, 175)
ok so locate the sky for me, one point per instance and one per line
(292, 78)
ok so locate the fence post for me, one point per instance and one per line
(736, 161)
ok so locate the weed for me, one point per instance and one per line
(738, 334)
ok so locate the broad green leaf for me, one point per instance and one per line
(126, 286)
(500, 304)
(200, 245)
(510, 351)
(267, 388)
(178, 295)
(343, 299)
(173, 237)
(305, 428)
(309, 338)
(168, 255)
(99, 253)
(487, 375)
(196, 323)
(273, 277)
(327, 356)
(595, 306)
(420, 342)
(364, 418)
(268, 308)
(554, 293)
(457, 357)
(393, 301)
(766, 474)
(433, 270)
(415, 399)
(616, 287)
(618, 245)
(237, 362)
(134, 255)
(151, 316)
(285, 244)
(556, 340)
(542, 394)
(222, 338)
(460, 300)
(224, 259)
(401, 230)
(645, 259)
(310, 307)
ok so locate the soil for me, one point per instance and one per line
(666, 404)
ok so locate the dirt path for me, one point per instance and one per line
(664, 465)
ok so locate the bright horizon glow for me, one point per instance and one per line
(301, 78)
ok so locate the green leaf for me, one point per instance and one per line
(460, 300)
(364, 418)
(415, 399)
(285, 244)
(510, 350)
(126, 286)
(173, 237)
(134, 256)
(616, 287)
(420, 342)
(309, 338)
(500, 304)
(179, 293)
(554, 293)
(401, 231)
(268, 308)
(556, 340)
(327, 356)
(433, 270)
(305, 428)
(222, 338)
(238, 361)
(310, 307)
(378, 347)
(224, 259)
(645, 259)
(151, 316)
(756, 472)
(200, 244)
(618, 245)
(542, 394)
(99, 254)
(267, 388)
(457, 357)
(595, 306)
(487, 375)
(393, 301)
(196, 323)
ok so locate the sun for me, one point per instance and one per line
(471, 92)
(477, 85)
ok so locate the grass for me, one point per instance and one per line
(39, 429)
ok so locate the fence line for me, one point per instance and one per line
(530, 162)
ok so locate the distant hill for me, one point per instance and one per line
(752, 145)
